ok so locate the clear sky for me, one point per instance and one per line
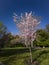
(8, 7)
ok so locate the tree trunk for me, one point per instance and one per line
(32, 44)
(30, 55)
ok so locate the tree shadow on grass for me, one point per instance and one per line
(12, 52)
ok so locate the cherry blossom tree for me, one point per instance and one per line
(27, 24)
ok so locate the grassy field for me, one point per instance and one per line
(20, 56)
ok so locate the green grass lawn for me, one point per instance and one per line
(17, 56)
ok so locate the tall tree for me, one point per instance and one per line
(2, 29)
(27, 24)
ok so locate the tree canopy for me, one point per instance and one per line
(42, 38)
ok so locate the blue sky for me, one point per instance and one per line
(8, 7)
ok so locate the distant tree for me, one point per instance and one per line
(3, 29)
(27, 26)
(17, 36)
(5, 40)
(47, 27)
(15, 40)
